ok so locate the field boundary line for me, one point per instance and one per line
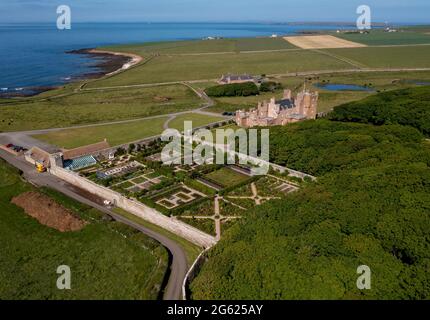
(342, 58)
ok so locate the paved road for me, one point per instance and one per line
(179, 265)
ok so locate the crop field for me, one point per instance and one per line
(167, 68)
(388, 57)
(321, 42)
(104, 264)
(95, 107)
(378, 38)
(205, 46)
(116, 134)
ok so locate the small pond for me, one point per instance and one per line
(343, 87)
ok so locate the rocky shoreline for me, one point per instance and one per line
(109, 62)
(106, 63)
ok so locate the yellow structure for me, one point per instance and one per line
(40, 167)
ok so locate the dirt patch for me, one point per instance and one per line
(48, 212)
(322, 42)
(161, 99)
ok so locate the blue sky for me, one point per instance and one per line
(412, 11)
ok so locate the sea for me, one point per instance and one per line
(34, 55)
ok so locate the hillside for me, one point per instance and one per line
(406, 107)
(370, 206)
(108, 260)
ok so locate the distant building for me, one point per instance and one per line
(233, 78)
(281, 112)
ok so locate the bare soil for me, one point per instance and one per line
(48, 212)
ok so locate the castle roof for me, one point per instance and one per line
(285, 103)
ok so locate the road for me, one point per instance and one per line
(179, 265)
(25, 139)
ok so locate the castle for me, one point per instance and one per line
(282, 112)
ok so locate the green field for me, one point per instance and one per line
(192, 251)
(205, 61)
(166, 68)
(95, 107)
(104, 264)
(378, 38)
(387, 57)
(204, 46)
(198, 120)
(116, 134)
(379, 81)
(226, 177)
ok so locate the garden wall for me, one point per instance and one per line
(151, 215)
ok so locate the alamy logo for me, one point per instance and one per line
(364, 281)
(64, 20)
(65, 278)
(364, 21)
(201, 147)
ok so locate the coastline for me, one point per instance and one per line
(132, 59)
(110, 63)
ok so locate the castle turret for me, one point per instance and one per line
(307, 103)
(287, 94)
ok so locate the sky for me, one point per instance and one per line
(23, 11)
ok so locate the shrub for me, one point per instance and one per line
(233, 90)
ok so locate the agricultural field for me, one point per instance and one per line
(382, 38)
(387, 57)
(204, 46)
(116, 134)
(28, 265)
(167, 68)
(88, 107)
(321, 42)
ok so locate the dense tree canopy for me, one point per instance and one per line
(370, 206)
(233, 90)
(407, 107)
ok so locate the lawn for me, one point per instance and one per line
(378, 37)
(166, 68)
(116, 134)
(104, 264)
(198, 120)
(226, 177)
(95, 107)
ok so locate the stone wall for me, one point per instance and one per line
(151, 215)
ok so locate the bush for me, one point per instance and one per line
(270, 86)
(233, 90)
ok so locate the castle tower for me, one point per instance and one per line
(307, 104)
(273, 109)
(287, 94)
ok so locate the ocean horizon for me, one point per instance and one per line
(34, 55)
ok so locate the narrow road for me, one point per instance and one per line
(179, 266)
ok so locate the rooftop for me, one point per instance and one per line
(85, 150)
